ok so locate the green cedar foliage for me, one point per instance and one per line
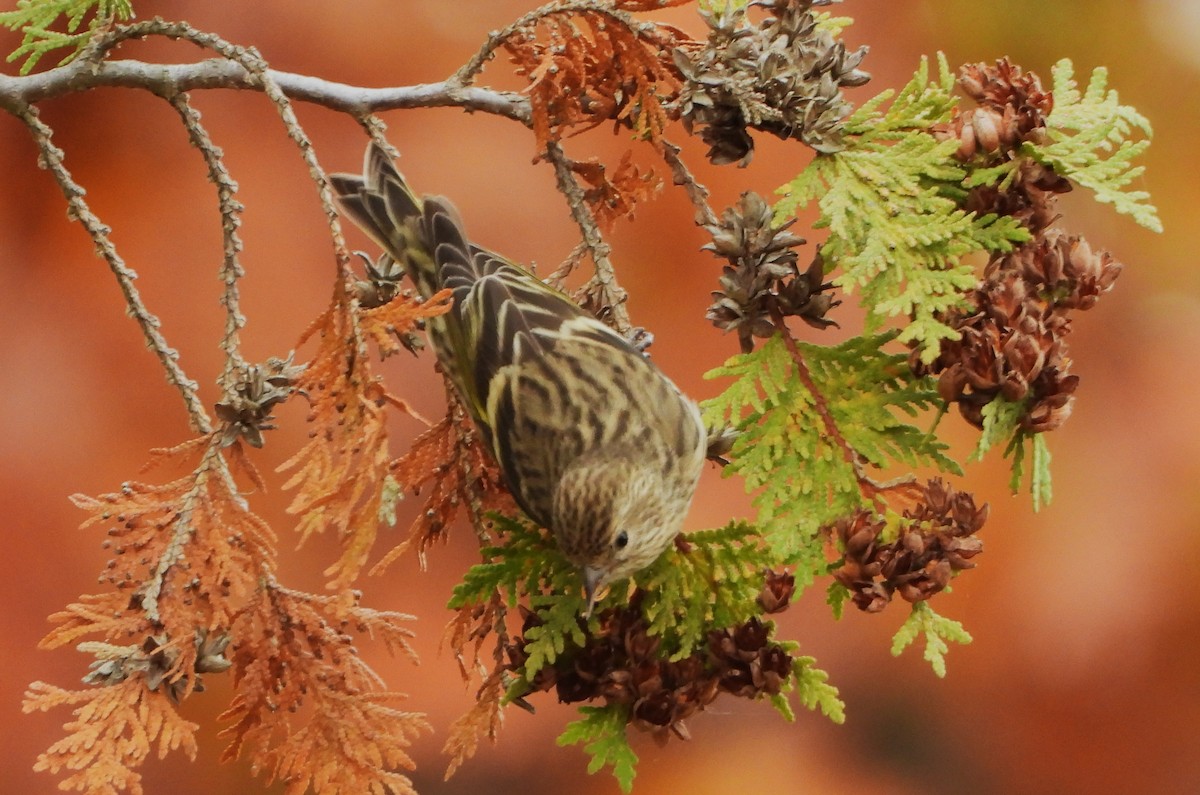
(890, 200)
(712, 581)
(712, 584)
(935, 629)
(1090, 143)
(803, 478)
(34, 18)
(815, 422)
(897, 234)
(602, 732)
(812, 689)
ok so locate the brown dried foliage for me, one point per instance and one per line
(192, 575)
(313, 713)
(339, 475)
(112, 733)
(647, 5)
(483, 719)
(182, 551)
(186, 555)
(449, 460)
(588, 66)
(465, 635)
(614, 197)
(391, 325)
(471, 626)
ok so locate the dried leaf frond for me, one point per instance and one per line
(648, 5)
(113, 731)
(589, 66)
(292, 654)
(473, 624)
(185, 554)
(483, 718)
(339, 475)
(615, 196)
(183, 454)
(451, 460)
(108, 615)
(390, 326)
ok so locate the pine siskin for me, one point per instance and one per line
(594, 442)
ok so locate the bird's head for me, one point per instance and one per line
(612, 517)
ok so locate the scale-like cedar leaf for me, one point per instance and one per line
(35, 17)
(712, 583)
(806, 475)
(896, 231)
(1090, 143)
(602, 731)
(937, 630)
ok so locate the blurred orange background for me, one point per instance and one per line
(1083, 676)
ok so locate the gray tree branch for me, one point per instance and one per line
(169, 79)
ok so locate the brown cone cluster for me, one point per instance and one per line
(784, 76)
(1012, 333)
(1012, 110)
(778, 589)
(936, 540)
(1013, 337)
(622, 664)
(157, 662)
(762, 278)
(380, 287)
(246, 411)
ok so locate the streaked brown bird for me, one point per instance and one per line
(594, 442)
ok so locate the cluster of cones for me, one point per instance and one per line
(623, 664)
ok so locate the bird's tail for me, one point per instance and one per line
(421, 233)
(426, 237)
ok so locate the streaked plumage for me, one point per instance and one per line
(594, 442)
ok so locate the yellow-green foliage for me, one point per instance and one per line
(897, 235)
(34, 19)
(786, 453)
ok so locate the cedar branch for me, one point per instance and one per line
(697, 194)
(231, 221)
(869, 488)
(216, 73)
(606, 277)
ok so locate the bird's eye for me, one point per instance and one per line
(622, 539)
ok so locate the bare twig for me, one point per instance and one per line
(612, 294)
(52, 160)
(231, 220)
(567, 266)
(376, 129)
(696, 193)
(256, 67)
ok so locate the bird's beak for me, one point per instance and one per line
(593, 580)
